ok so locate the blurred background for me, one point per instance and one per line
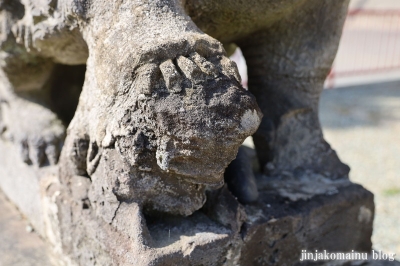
(360, 109)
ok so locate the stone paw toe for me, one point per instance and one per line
(40, 151)
(182, 72)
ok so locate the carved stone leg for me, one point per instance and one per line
(26, 117)
(164, 101)
(161, 115)
(33, 36)
(287, 66)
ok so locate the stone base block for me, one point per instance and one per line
(272, 231)
(277, 230)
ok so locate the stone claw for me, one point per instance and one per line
(173, 79)
(40, 152)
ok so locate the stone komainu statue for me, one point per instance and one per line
(162, 113)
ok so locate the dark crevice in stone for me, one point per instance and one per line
(65, 89)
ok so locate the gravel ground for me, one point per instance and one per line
(363, 125)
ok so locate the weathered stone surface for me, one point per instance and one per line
(161, 115)
(129, 238)
(289, 47)
(157, 121)
(222, 233)
(278, 228)
(271, 231)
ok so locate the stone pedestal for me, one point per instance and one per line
(277, 229)
(272, 231)
(290, 216)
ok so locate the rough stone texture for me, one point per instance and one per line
(161, 115)
(21, 248)
(289, 47)
(276, 234)
(271, 231)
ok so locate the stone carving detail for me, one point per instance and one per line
(161, 114)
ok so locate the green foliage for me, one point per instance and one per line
(391, 192)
